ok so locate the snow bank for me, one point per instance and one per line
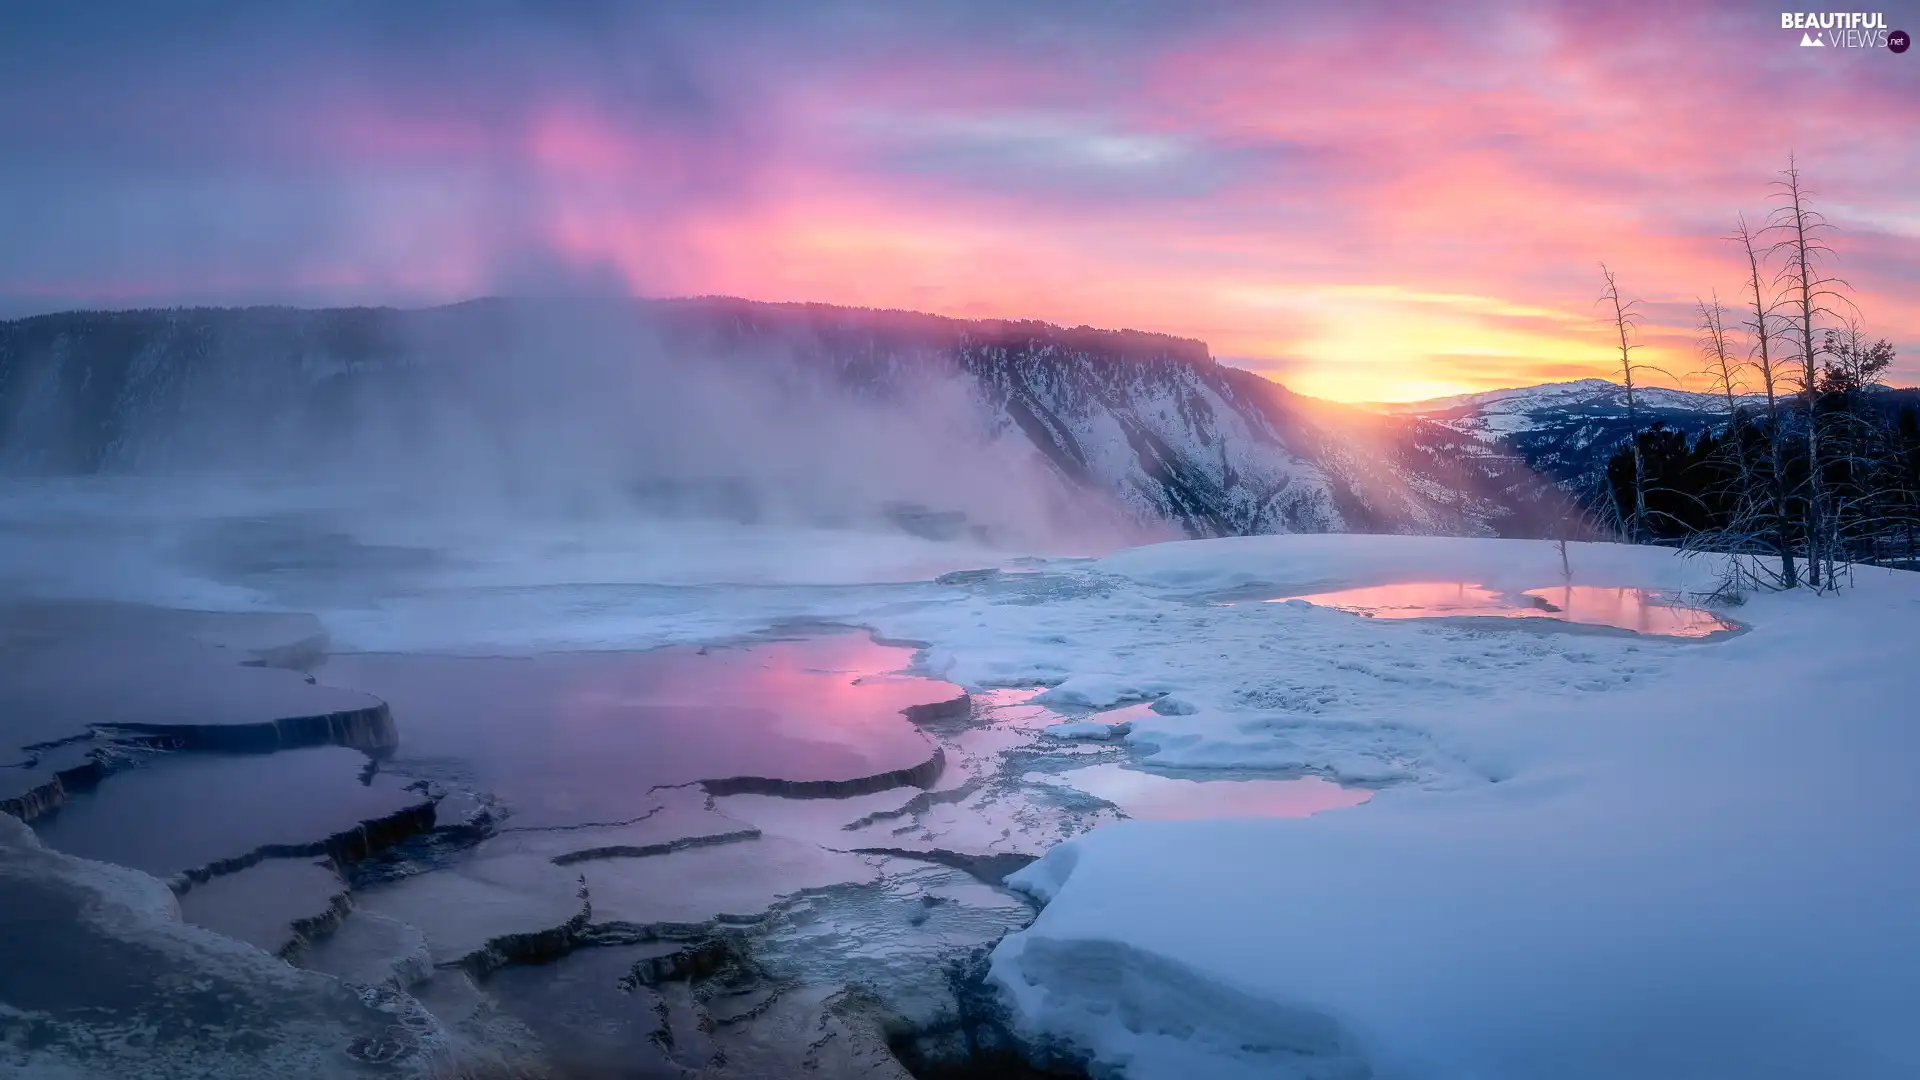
(1099, 691)
(1709, 869)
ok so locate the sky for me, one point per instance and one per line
(1364, 201)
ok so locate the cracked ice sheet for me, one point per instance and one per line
(1706, 870)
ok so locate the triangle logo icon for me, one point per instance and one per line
(1808, 40)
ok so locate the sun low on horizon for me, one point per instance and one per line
(1383, 202)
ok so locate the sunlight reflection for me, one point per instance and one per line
(1151, 795)
(1638, 610)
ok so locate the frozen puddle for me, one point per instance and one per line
(1638, 610)
(1159, 796)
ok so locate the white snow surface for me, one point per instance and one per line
(1705, 869)
(1494, 414)
(1577, 393)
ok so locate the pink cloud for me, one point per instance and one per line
(1383, 200)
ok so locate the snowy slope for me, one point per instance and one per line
(1567, 430)
(1598, 857)
(1577, 394)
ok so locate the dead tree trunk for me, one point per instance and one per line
(1763, 331)
(1800, 228)
(1713, 323)
(1622, 319)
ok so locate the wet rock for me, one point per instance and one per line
(102, 979)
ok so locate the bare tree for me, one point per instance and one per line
(1802, 232)
(1720, 363)
(1723, 369)
(1762, 329)
(1624, 320)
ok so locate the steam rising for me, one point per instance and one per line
(595, 415)
(546, 426)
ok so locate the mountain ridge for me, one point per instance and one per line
(1580, 391)
(1150, 420)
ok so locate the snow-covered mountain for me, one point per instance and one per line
(1567, 430)
(1579, 395)
(1149, 420)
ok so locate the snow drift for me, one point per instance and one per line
(1708, 870)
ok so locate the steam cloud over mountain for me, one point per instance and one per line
(1014, 432)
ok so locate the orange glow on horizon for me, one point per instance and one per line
(1425, 324)
(1360, 216)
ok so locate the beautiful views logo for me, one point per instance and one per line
(1844, 30)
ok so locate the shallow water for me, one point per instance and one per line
(1638, 610)
(598, 758)
(180, 812)
(1157, 796)
(574, 738)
